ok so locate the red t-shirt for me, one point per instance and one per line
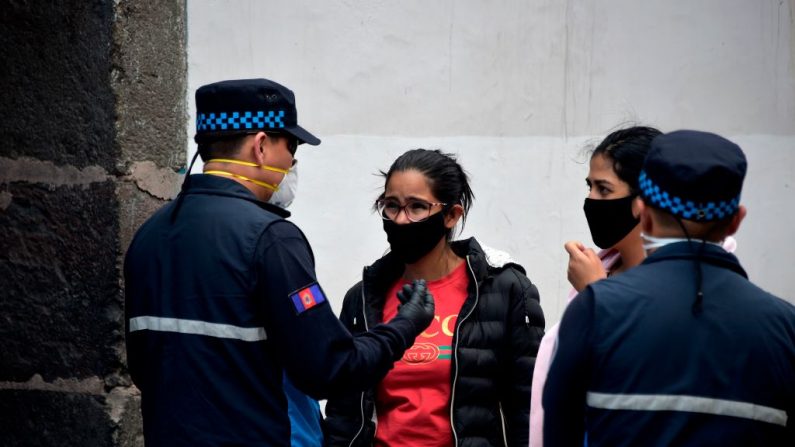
(413, 399)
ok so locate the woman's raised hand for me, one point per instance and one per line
(585, 266)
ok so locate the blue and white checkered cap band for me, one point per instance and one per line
(686, 209)
(271, 119)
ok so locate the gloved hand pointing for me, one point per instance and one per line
(416, 304)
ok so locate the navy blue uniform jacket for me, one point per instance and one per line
(636, 366)
(212, 326)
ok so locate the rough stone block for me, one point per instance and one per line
(61, 308)
(57, 101)
(135, 206)
(45, 418)
(149, 66)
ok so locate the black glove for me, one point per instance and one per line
(416, 304)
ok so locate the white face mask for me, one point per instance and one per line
(287, 188)
(653, 243)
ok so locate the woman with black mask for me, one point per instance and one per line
(467, 378)
(613, 185)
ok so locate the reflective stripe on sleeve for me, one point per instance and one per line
(694, 404)
(197, 327)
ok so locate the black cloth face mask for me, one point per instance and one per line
(410, 242)
(609, 220)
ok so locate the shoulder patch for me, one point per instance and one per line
(307, 297)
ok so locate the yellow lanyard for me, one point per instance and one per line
(271, 186)
(248, 163)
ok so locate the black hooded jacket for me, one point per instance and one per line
(495, 342)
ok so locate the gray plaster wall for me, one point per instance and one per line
(518, 90)
(91, 136)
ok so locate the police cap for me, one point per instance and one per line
(693, 175)
(247, 105)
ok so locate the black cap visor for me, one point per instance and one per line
(302, 134)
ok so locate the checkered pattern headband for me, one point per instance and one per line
(686, 209)
(271, 119)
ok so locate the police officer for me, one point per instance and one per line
(683, 349)
(221, 295)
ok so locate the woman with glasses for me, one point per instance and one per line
(466, 380)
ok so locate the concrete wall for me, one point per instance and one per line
(91, 136)
(517, 89)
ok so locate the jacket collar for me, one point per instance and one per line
(385, 271)
(470, 250)
(711, 254)
(382, 274)
(219, 186)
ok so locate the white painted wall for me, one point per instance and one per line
(517, 89)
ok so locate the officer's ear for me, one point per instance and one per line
(642, 212)
(637, 207)
(737, 219)
(257, 147)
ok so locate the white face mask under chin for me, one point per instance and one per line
(653, 243)
(287, 189)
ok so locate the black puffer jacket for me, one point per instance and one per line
(495, 342)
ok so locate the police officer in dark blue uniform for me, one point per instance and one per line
(221, 295)
(683, 349)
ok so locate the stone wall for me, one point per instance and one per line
(92, 134)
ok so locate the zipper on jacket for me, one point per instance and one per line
(455, 348)
(361, 400)
(502, 421)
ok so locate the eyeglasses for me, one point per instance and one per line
(416, 210)
(292, 142)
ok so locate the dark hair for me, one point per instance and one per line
(227, 146)
(219, 146)
(627, 148)
(447, 179)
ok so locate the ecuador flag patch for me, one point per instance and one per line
(307, 298)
